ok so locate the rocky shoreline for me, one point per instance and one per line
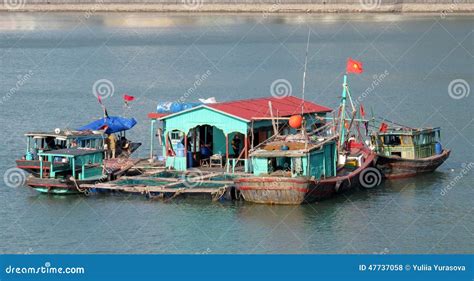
(195, 6)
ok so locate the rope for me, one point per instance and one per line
(176, 194)
(84, 191)
(219, 193)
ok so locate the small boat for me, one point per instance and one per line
(289, 171)
(406, 152)
(91, 136)
(37, 142)
(68, 169)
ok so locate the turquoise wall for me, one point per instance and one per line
(218, 142)
(259, 166)
(205, 116)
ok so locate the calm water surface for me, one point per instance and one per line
(49, 62)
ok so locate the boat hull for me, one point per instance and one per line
(274, 190)
(59, 186)
(33, 166)
(396, 167)
(293, 191)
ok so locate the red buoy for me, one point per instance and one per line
(296, 121)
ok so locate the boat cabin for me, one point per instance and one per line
(296, 159)
(81, 164)
(220, 135)
(407, 143)
(37, 142)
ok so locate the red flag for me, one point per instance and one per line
(383, 127)
(354, 66)
(128, 98)
(362, 111)
(99, 99)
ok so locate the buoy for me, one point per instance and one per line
(296, 121)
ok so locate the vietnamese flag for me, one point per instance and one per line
(362, 111)
(354, 66)
(128, 98)
(383, 127)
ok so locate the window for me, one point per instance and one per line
(391, 140)
(406, 140)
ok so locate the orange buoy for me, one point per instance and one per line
(296, 121)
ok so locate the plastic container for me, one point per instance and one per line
(438, 148)
(173, 107)
(189, 160)
(179, 150)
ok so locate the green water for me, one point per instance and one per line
(159, 57)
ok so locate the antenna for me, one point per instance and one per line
(305, 65)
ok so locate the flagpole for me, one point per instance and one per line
(343, 109)
(304, 72)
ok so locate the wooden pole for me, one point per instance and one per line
(252, 137)
(275, 130)
(166, 145)
(186, 148)
(246, 147)
(226, 147)
(152, 138)
(194, 139)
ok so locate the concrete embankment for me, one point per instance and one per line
(264, 6)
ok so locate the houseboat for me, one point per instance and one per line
(406, 152)
(68, 169)
(219, 136)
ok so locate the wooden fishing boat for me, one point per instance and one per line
(311, 173)
(37, 142)
(68, 170)
(406, 152)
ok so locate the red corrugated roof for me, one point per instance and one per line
(251, 108)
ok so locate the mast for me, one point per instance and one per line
(304, 72)
(342, 116)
